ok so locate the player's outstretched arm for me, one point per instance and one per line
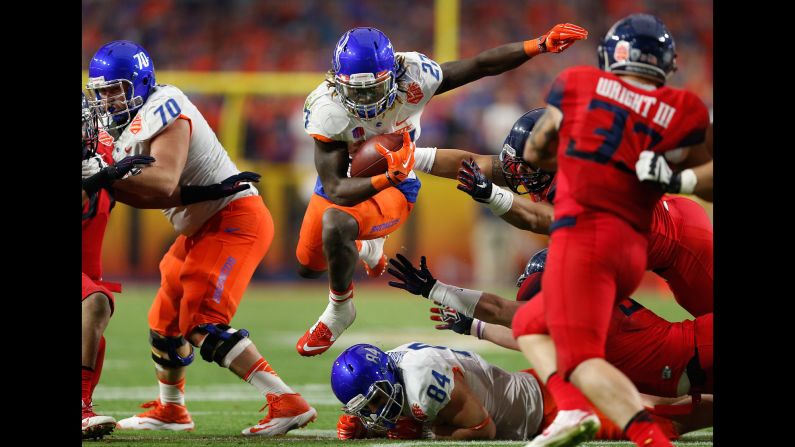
(507, 57)
(186, 195)
(455, 321)
(464, 417)
(518, 211)
(541, 148)
(447, 162)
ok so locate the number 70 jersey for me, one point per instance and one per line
(207, 162)
(607, 122)
(513, 400)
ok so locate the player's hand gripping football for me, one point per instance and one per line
(124, 168)
(350, 427)
(400, 162)
(452, 320)
(416, 281)
(231, 185)
(560, 37)
(473, 182)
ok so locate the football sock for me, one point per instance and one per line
(340, 312)
(98, 364)
(88, 377)
(172, 393)
(642, 430)
(566, 395)
(265, 379)
(371, 251)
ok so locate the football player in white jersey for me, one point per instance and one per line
(373, 90)
(221, 242)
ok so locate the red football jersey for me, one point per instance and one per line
(95, 218)
(607, 122)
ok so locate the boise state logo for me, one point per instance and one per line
(414, 93)
(418, 413)
(135, 126)
(105, 138)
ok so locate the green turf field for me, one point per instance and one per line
(222, 405)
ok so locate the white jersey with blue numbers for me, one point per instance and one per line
(418, 78)
(513, 400)
(207, 162)
(325, 118)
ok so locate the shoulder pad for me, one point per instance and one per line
(160, 111)
(323, 116)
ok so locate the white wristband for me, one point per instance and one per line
(477, 329)
(424, 158)
(500, 201)
(689, 180)
(462, 300)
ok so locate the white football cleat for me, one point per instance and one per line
(161, 417)
(569, 428)
(94, 425)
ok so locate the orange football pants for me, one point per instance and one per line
(377, 216)
(204, 276)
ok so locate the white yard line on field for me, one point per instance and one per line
(314, 393)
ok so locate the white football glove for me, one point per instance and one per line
(93, 165)
(652, 167)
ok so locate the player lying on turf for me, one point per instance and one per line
(420, 391)
(661, 358)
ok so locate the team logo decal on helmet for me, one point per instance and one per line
(364, 72)
(365, 379)
(121, 76)
(641, 45)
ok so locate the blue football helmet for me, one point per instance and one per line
(90, 130)
(365, 379)
(517, 172)
(640, 45)
(364, 68)
(535, 265)
(120, 76)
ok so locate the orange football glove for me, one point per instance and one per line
(350, 427)
(400, 162)
(560, 37)
(405, 428)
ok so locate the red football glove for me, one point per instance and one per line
(560, 37)
(400, 162)
(405, 428)
(350, 427)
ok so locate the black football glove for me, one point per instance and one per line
(124, 168)
(416, 281)
(453, 320)
(473, 182)
(228, 187)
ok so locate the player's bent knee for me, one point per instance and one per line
(97, 305)
(222, 344)
(169, 346)
(339, 226)
(306, 272)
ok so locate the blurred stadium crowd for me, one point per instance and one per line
(299, 35)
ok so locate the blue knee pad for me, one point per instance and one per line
(223, 343)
